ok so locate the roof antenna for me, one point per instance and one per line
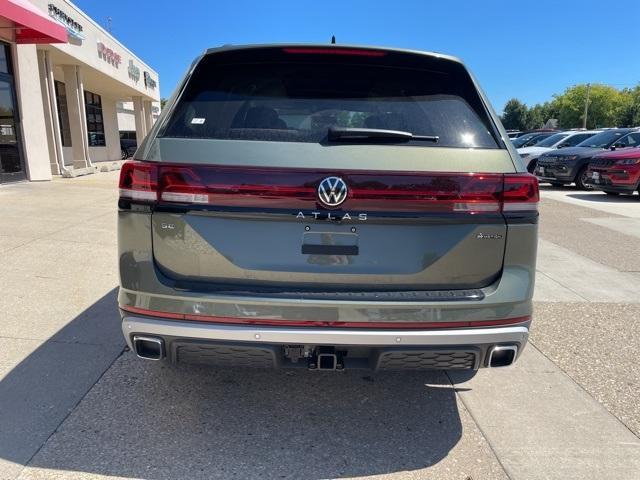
(333, 39)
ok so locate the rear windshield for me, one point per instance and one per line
(521, 141)
(290, 97)
(604, 139)
(552, 140)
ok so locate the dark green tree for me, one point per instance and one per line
(629, 113)
(605, 105)
(514, 116)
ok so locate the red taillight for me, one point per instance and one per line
(296, 189)
(521, 193)
(335, 51)
(428, 192)
(139, 181)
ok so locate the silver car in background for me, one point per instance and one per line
(327, 207)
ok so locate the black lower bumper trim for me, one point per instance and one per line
(238, 354)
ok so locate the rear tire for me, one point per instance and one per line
(581, 179)
(532, 166)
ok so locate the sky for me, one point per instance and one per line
(523, 49)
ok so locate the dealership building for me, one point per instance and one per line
(67, 89)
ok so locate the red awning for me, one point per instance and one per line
(31, 25)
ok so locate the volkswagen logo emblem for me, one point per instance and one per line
(332, 191)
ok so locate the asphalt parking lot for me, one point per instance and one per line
(74, 404)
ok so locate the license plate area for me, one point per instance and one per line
(330, 243)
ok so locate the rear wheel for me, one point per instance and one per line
(581, 180)
(532, 166)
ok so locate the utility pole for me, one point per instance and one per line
(586, 107)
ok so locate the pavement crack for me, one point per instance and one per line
(562, 285)
(466, 407)
(71, 410)
(579, 385)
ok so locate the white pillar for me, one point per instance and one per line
(77, 119)
(111, 132)
(148, 116)
(50, 103)
(140, 117)
(32, 115)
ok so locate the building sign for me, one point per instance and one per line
(109, 55)
(74, 29)
(134, 72)
(148, 81)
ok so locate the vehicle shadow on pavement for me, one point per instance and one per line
(153, 420)
(38, 393)
(602, 197)
(556, 188)
(149, 420)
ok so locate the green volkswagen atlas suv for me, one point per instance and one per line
(327, 207)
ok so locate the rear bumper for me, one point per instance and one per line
(614, 181)
(559, 178)
(463, 348)
(560, 173)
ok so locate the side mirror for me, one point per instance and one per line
(617, 145)
(562, 145)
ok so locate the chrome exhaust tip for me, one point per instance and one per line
(502, 355)
(149, 348)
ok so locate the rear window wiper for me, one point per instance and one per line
(355, 134)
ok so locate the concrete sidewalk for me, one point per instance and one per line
(73, 406)
(59, 328)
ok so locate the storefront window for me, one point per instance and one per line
(5, 64)
(11, 162)
(63, 114)
(95, 123)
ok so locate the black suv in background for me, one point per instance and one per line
(569, 165)
(128, 143)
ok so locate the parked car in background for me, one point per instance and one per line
(536, 130)
(513, 133)
(530, 139)
(259, 219)
(558, 140)
(569, 165)
(128, 143)
(615, 172)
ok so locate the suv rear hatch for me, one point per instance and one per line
(328, 169)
